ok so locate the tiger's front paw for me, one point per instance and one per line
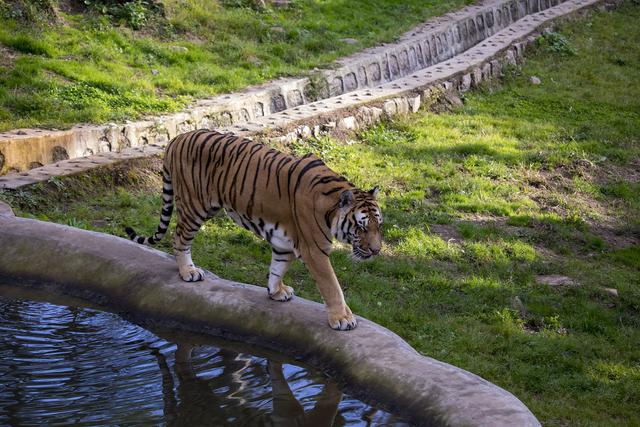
(343, 320)
(283, 293)
(192, 274)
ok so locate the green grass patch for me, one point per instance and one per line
(524, 180)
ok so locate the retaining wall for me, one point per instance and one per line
(427, 45)
(343, 113)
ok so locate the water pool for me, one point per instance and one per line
(64, 363)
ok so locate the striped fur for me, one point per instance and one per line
(298, 204)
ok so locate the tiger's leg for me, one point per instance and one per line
(340, 316)
(186, 229)
(280, 262)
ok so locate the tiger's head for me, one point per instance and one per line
(359, 222)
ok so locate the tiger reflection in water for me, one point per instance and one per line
(222, 400)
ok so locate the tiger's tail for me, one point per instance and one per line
(165, 216)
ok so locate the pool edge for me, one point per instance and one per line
(144, 282)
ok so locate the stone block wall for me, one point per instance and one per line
(87, 146)
(434, 42)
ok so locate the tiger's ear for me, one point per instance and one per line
(346, 198)
(374, 191)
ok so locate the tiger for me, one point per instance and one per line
(297, 204)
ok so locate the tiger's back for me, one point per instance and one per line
(259, 187)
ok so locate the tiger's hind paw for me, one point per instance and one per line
(284, 293)
(192, 274)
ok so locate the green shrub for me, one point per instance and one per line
(135, 14)
(556, 43)
(30, 11)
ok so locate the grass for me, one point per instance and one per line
(524, 180)
(86, 68)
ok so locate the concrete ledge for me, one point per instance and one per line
(5, 210)
(375, 363)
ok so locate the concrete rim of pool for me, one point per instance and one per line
(143, 282)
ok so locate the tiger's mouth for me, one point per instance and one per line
(361, 254)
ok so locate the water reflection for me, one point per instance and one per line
(216, 398)
(60, 364)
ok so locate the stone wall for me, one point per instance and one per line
(437, 40)
(342, 113)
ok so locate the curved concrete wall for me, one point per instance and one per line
(374, 362)
(361, 107)
(437, 40)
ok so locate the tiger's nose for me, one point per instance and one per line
(374, 251)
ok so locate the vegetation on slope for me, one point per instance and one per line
(525, 180)
(69, 61)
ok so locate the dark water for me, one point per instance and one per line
(62, 364)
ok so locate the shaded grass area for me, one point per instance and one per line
(525, 180)
(87, 69)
